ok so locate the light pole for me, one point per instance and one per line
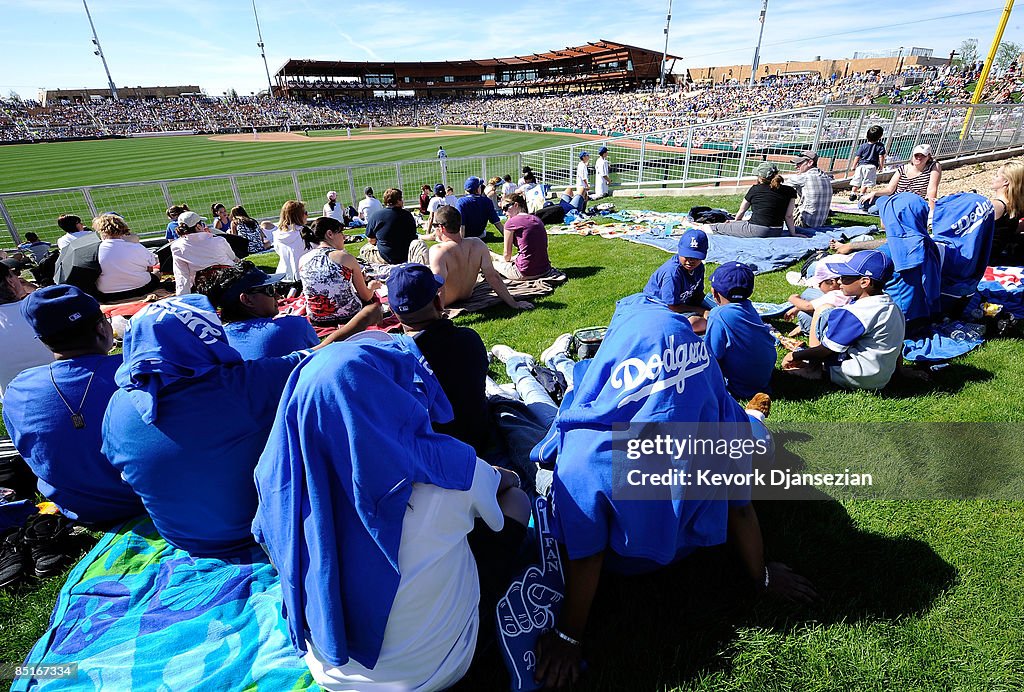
(99, 51)
(757, 51)
(664, 54)
(259, 34)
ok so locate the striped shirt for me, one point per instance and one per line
(919, 183)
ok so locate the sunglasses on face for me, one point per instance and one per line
(849, 279)
(262, 290)
(437, 225)
(508, 206)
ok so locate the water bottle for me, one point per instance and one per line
(975, 332)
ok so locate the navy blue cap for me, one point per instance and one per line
(873, 264)
(582, 154)
(55, 309)
(693, 244)
(602, 150)
(734, 280)
(253, 279)
(439, 189)
(472, 183)
(412, 287)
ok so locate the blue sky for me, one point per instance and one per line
(212, 43)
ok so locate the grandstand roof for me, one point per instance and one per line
(341, 68)
(595, 63)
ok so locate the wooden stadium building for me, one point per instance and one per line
(595, 66)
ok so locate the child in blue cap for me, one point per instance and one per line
(736, 336)
(859, 345)
(679, 282)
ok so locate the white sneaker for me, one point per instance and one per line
(503, 353)
(560, 347)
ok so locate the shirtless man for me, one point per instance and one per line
(459, 261)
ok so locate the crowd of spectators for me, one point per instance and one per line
(619, 111)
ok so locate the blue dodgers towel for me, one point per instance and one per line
(651, 367)
(916, 285)
(167, 341)
(333, 486)
(964, 223)
(938, 345)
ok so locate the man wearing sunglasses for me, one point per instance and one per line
(859, 345)
(246, 298)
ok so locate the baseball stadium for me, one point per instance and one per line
(595, 367)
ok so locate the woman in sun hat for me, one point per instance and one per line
(771, 206)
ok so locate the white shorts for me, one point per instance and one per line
(864, 176)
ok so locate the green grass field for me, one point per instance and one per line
(916, 595)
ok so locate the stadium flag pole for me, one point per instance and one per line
(757, 50)
(99, 52)
(263, 54)
(988, 65)
(664, 55)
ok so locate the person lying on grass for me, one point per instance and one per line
(650, 355)
(859, 345)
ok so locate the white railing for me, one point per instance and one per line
(726, 152)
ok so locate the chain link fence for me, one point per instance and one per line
(144, 204)
(726, 152)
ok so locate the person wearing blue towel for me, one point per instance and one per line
(651, 368)
(393, 542)
(245, 297)
(189, 421)
(859, 345)
(54, 412)
(736, 336)
(679, 282)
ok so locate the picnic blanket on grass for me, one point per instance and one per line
(129, 306)
(483, 295)
(1004, 286)
(137, 613)
(763, 254)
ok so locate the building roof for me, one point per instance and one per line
(342, 68)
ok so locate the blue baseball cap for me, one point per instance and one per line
(693, 244)
(439, 189)
(55, 309)
(873, 264)
(412, 287)
(734, 280)
(602, 150)
(252, 279)
(583, 154)
(472, 183)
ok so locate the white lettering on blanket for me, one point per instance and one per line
(971, 222)
(670, 368)
(202, 323)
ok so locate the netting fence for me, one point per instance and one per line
(726, 152)
(144, 204)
